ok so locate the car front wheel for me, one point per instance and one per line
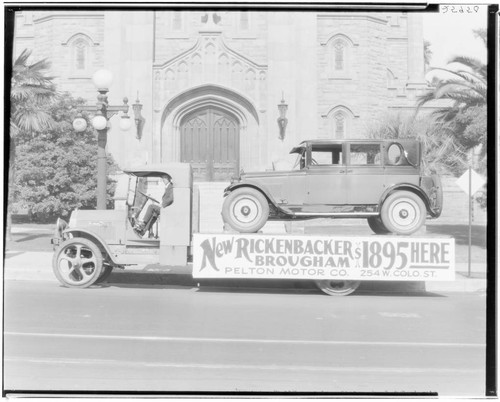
(78, 263)
(403, 213)
(245, 210)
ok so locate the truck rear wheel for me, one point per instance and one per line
(245, 210)
(77, 263)
(337, 288)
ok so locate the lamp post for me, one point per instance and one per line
(103, 112)
(282, 120)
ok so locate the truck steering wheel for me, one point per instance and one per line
(148, 196)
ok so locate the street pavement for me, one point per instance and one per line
(151, 329)
(183, 338)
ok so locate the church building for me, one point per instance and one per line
(212, 84)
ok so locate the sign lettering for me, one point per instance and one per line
(321, 257)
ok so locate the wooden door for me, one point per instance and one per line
(210, 142)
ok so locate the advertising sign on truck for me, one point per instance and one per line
(323, 257)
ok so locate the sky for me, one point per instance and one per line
(450, 34)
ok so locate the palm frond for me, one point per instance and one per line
(471, 62)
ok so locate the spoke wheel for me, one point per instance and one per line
(78, 263)
(376, 225)
(403, 213)
(337, 288)
(245, 210)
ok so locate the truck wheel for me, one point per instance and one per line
(337, 288)
(376, 225)
(106, 271)
(403, 212)
(77, 263)
(245, 210)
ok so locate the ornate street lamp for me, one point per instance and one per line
(103, 112)
(282, 120)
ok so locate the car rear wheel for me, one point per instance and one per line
(245, 210)
(376, 225)
(337, 288)
(78, 263)
(403, 213)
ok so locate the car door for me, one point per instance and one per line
(365, 176)
(325, 177)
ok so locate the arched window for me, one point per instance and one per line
(339, 119)
(81, 54)
(340, 123)
(339, 49)
(339, 54)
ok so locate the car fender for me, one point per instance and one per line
(408, 187)
(257, 187)
(88, 234)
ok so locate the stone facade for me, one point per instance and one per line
(337, 72)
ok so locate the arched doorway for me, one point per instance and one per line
(210, 142)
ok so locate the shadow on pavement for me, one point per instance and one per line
(32, 237)
(262, 286)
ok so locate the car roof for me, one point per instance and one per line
(304, 144)
(328, 141)
(169, 169)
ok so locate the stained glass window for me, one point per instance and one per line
(340, 125)
(339, 55)
(80, 55)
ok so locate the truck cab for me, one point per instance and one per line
(96, 241)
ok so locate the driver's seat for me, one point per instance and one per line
(148, 224)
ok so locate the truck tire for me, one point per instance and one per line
(337, 288)
(376, 225)
(403, 213)
(245, 210)
(77, 263)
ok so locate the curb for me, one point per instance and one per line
(20, 266)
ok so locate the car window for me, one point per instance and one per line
(326, 155)
(365, 154)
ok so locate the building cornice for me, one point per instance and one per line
(69, 15)
(343, 16)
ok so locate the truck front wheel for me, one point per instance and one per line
(77, 263)
(245, 210)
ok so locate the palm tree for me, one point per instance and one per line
(31, 89)
(465, 87)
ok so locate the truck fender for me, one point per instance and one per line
(87, 234)
(409, 187)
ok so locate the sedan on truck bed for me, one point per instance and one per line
(380, 180)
